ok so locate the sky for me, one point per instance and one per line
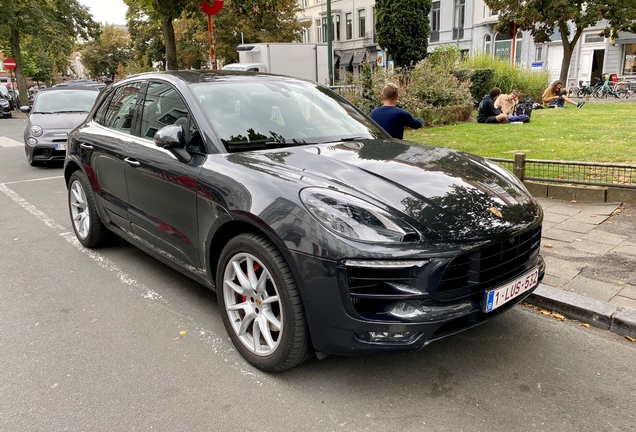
(111, 11)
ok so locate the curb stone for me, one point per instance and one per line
(617, 319)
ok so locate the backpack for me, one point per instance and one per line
(524, 108)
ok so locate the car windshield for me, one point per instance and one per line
(64, 101)
(268, 113)
(4, 90)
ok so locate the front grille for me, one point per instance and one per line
(489, 266)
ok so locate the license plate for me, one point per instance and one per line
(511, 290)
(60, 146)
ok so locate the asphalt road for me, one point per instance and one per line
(91, 341)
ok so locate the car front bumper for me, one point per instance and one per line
(339, 325)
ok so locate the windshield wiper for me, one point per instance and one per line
(347, 139)
(260, 146)
(70, 112)
(42, 112)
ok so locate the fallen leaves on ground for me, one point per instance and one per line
(629, 338)
(573, 201)
(547, 245)
(545, 311)
(181, 334)
(586, 325)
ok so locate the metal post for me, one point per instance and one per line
(211, 34)
(519, 169)
(514, 43)
(329, 42)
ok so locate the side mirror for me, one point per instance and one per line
(25, 109)
(172, 138)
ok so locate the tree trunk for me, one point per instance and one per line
(170, 42)
(568, 50)
(14, 43)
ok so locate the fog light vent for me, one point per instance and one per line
(387, 336)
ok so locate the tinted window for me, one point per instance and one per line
(120, 111)
(163, 106)
(65, 101)
(100, 115)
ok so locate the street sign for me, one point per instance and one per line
(9, 64)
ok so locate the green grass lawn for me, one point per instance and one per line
(597, 132)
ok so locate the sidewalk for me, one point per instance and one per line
(590, 254)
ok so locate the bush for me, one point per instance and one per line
(505, 76)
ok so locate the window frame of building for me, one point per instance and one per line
(318, 30)
(349, 25)
(459, 19)
(324, 29)
(362, 17)
(593, 38)
(629, 58)
(337, 26)
(487, 43)
(435, 21)
(538, 53)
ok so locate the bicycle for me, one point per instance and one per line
(605, 90)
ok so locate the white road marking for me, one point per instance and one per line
(8, 142)
(219, 345)
(33, 180)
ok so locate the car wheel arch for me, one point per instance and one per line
(232, 228)
(69, 169)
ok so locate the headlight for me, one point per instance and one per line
(36, 130)
(31, 141)
(353, 218)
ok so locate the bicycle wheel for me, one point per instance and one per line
(622, 93)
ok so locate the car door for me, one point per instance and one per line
(102, 145)
(163, 190)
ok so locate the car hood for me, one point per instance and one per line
(448, 195)
(63, 121)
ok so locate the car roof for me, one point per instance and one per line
(70, 87)
(203, 76)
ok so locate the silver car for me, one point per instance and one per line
(54, 113)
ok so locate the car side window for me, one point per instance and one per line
(163, 106)
(100, 115)
(120, 111)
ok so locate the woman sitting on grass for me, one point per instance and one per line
(554, 96)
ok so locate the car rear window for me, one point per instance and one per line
(64, 101)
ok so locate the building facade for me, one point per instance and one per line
(471, 25)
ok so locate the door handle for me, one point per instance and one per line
(86, 146)
(132, 162)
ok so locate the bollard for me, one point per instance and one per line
(519, 169)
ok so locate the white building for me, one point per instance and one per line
(470, 25)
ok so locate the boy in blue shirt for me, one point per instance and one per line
(391, 118)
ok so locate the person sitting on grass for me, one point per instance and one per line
(555, 96)
(487, 112)
(507, 102)
(392, 118)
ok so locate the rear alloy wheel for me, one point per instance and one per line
(260, 303)
(88, 227)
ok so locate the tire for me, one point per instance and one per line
(622, 93)
(88, 227)
(32, 162)
(271, 298)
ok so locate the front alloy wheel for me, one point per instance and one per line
(261, 306)
(80, 213)
(253, 304)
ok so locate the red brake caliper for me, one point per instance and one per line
(256, 267)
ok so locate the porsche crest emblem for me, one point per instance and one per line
(495, 211)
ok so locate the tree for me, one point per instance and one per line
(56, 22)
(165, 11)
(542, 18)
(146, 39)
(104, 54)
(258, 21)
(402, 28)
(191, 34)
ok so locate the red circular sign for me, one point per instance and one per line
(211, 9)
(9, 64)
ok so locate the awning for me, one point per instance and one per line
(357, 58)
(346, 59)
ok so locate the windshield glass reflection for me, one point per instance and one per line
(268, 113)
